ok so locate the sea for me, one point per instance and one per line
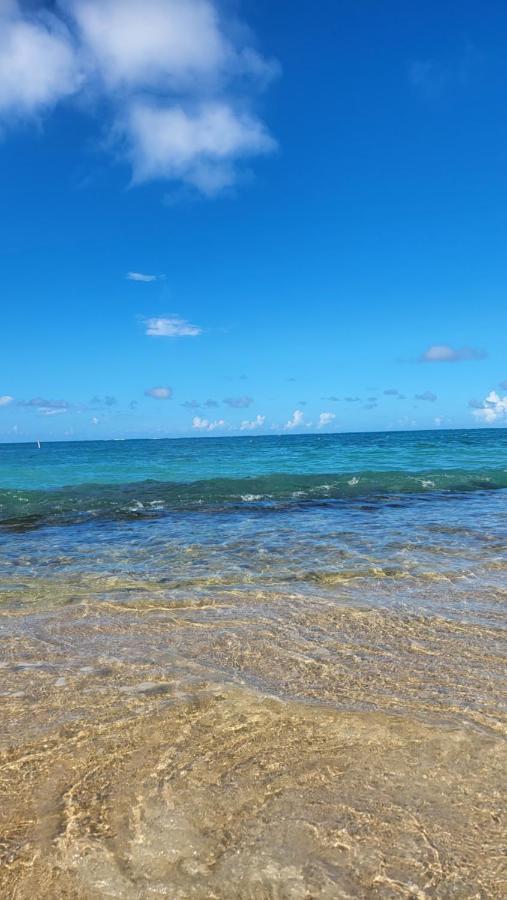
(258, 666)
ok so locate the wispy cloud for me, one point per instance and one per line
(108, 400)
(445, 353)
(492, 409)
(428, 77)
(432, 78)
(253, 424)
(426, 395)
(201, 424)
(197, 404)
(171, 326)
(139, 276)
(159, 393)
(47, 407)
(238, 402)
(6, 400)
(326, 418)
(178, 79)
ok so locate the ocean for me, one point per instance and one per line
(255, 666)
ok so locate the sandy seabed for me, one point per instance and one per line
(256, 745)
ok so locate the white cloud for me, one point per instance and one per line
(178, 81)
(251, 425)
(493, 408)
(47, 407)
(159, 393)
(296, 420)
(138, 276)
(197, 146)
(171, 326)
(39, 64)
(53, 410)
(95, 421)
(152, 43)
(205, 425)
(444, 353)
(6, 399)
(326, 418)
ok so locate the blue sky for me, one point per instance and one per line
(317, 192)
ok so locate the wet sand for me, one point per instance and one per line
(252, 744)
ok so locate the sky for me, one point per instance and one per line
(251, 217)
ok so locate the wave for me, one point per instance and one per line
(149, 499)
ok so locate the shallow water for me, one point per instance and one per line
(292, 691)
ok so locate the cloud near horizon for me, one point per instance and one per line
(6, 400)
(238, 402)
(296, 420)
(201, 424)
(426, 395)
(171, 326)
(178, 82)
(445, 353)
(326, 418)
(252, 425)
(159, 393)
(492, 409)
(47, 407)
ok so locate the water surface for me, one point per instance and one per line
(254, 667)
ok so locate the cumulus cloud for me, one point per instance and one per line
(296, 420)
(326, 418)
(444, 353)
(205, 425)
(171, 326)
(426, 395)
(198, 146)
(178, 82)
(39, 63)
(492, 409)
(258, 422)
(139, 276)
(238, 402)
(392, 392)
(159, 393)
(6, 400)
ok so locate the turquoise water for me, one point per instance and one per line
(72, 481)
(377, 518)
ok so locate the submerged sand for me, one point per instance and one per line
(256, 745)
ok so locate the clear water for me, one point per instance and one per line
(254, 667)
